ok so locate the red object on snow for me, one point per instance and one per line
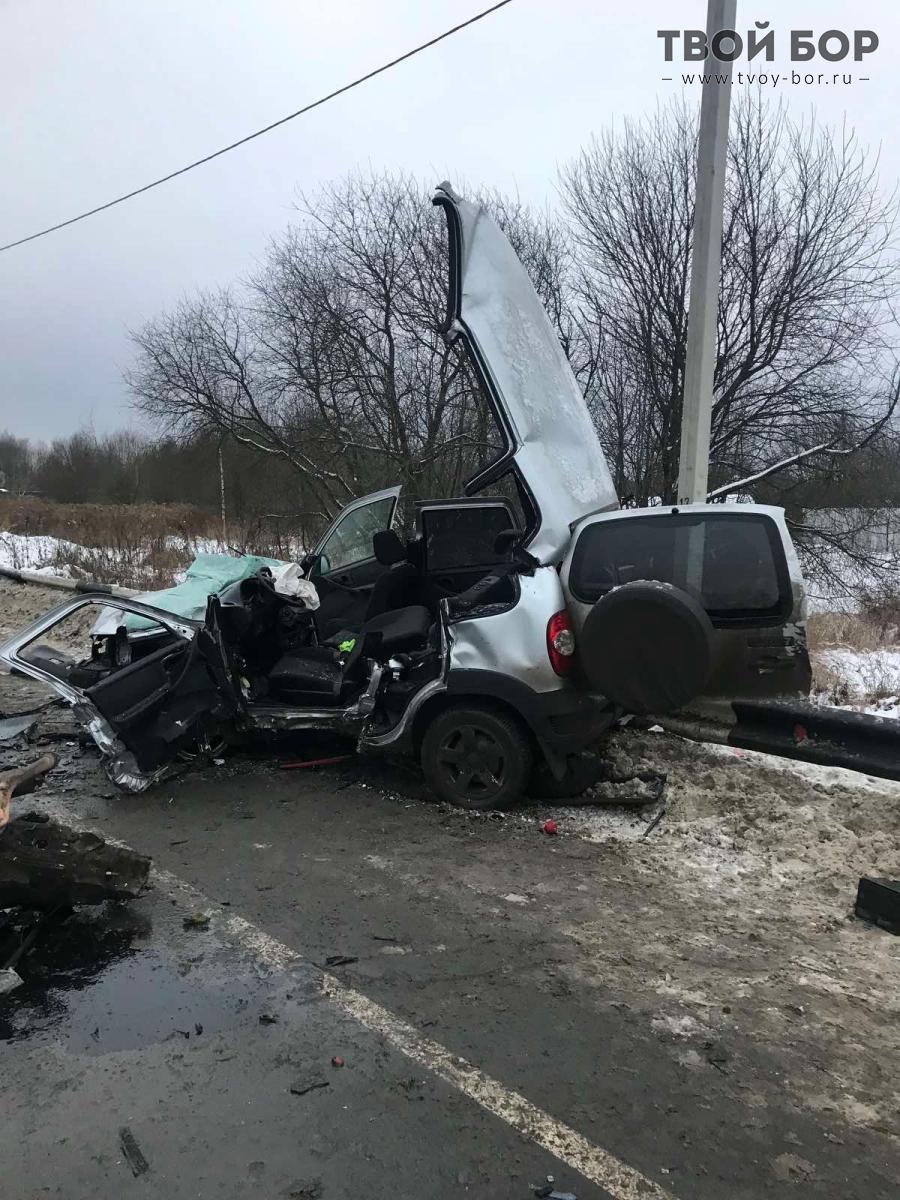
(550, 827)
(337, 1061)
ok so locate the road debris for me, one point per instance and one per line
(314, 762)
(132, 1152)
(15, 727)
(47, 866)
(550, 827)
(308, 1083)
(638, 788)
(653, 824)
(22, 780)
(878, 901)
(337, 1061)
(308, 1189)
(9, 980)
(268, 1019)
(340, 960)
(717, 1056)
(198, 920)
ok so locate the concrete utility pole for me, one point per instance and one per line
(706, 265)
(222, 499)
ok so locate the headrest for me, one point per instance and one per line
(387, 547)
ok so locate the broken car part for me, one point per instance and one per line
(45, 865)
(22, 780)
(15, 727)
(878, 901)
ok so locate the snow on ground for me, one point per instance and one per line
(872, 678)
(37, 552)
(47, 555)
(56, 556)
(754, 820)
(758, 861)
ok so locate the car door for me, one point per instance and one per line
(737, 562)
(458, 541)
(152, 696)
(344, 568)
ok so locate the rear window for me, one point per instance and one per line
(463, 536)
(733, 563)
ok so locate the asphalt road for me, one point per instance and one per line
(497, 1018)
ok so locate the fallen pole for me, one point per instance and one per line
(68, 585)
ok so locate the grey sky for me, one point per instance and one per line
(99, 96)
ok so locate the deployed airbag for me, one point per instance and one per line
(205, 577)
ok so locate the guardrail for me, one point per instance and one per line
(831, 737)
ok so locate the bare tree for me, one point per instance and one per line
(202, 369)
(332, 358)
(805, 333)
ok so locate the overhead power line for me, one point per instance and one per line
(259, 132)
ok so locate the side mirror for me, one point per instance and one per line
(308, 561)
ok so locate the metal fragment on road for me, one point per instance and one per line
(132, 1151)
(309, 1083)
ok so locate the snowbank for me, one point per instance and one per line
(37, 552)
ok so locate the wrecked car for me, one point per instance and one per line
(498, 638)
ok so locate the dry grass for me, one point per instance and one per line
(856, 631)
(112, 526)
(138, 545)
(869, 634)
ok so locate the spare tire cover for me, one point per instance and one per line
(647, 646)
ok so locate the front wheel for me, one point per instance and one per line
(476, 757)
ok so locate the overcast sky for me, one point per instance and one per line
(99, 96)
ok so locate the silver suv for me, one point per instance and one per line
(498, 639)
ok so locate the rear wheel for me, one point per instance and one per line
(476, 757)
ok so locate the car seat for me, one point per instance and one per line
(398, 587)
(321, 675)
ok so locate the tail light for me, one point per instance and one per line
(561, 643)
